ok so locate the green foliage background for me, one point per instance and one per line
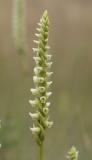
(71, 45)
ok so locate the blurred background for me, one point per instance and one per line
(71, 110)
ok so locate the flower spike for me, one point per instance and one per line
(72, 154)
(41, 80)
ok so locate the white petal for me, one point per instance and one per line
(48, 74)
(35, 130)
(49, 64)
(34, 91)
(48, 94)
(49, 124)
(34, 115)
(33, 103)
(35, 79)
(37, 42)
(48, 56)
(35, 49)
(38, 29)
(39, 24)
(47, 47)
(46, 40)
(49, 84)
(37, 35)
(47, 104)
(37, 58)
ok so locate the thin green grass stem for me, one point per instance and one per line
(41, 152)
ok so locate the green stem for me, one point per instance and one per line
(41, 151)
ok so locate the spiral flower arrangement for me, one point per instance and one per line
(73, 154)
(41, 81)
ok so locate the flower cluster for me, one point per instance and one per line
(41, 80)
(72, 154)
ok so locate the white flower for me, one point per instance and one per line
(48, 56)
(48, 94)
(34, 103)
(38, 79)
(34, 91)
(34, 115)
(48, 124)
(38, 70)
(35, 50)
(47, 104)
(35, 130)
(49, 65)
(49, 84)
(48, 74)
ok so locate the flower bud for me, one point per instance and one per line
(41, 51)
(41, 45)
